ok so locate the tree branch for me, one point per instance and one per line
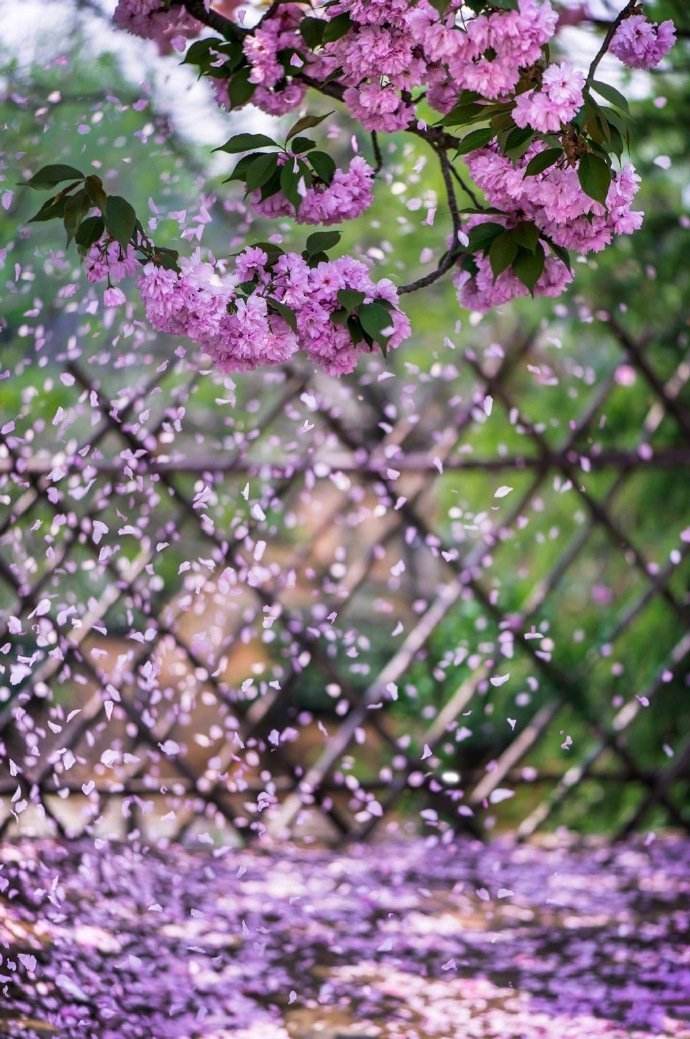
(378, 154)
(606, 43)
(213, 19)
(446, 263)
(445, 164)
(682, 32)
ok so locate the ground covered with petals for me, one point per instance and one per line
(413, 939)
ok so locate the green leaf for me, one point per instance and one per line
(283, 311)
(374, 318)
(289, 182)
(49, 176)
(474, 140)
(120, 219)
(89, 231)
(502, 120)
(350, 298)
(199, 53)
(610, 94)
(595, 177)
(260, 169)
(205, 55)
(462, 114)
(468, 263)
(561, 253)
(94, 186)
(305, 123)
(240, 90)
(529, 266)
(244, 142)
(616, 144)
(502, 252)
(272, 185)
(51, 209)
(305, 172)
(166, 258)
(518, 141)
(321, 241)
(240, 170)
(312, 30)
(323, 165)
(483, 234)
(526, 235)
(357, 334)
(337, 27)
(543, 161)
(76, 208)
(302, 144)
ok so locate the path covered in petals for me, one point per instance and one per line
(399, 941)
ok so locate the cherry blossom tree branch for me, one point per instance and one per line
(378, 154)
(465, 187)
(606, 42)
(446, 263)
(214, 20)
(445, 165)
(518, 117)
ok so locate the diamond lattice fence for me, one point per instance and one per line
(324, 607)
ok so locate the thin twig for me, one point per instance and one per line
(378, 154)
(225, 26)
(465, 187)
(606, 43)
(447, 261)
(445, 164)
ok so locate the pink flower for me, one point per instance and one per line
(379, 107)
(278, 102)
(642, 44)
(241, 333)
(555, 201)
(558, 100)
(275, 94)
(250, 263)
(153, 21)
(347, 196)
(499, 45)
(110, 261)
(114, 297)
(482, 291)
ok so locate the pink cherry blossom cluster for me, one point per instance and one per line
(167, 27)
(642, 44)
(377, 55)
(241, 333)
(555, 201)
(560, 209)
(555, 102)
(380, 63)
(483, 290)
(348, 195)
(275, 94)
(108, 261)
(394, 47)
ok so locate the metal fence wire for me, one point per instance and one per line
(455, 595)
